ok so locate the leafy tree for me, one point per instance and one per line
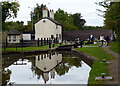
(37, 13)
(69, 21)
(61, 16)
(5, 77)
(91, 27)
(112, 15)
(9, 9)
(15, 25)
(78, 22)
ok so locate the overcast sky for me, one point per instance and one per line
(86, 7)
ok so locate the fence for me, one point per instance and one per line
(30, 43)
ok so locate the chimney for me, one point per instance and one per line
(52, 14)
(45, 12)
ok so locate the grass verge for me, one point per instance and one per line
(98, 67)
(92, 44)
(114, 47)
(29, 48)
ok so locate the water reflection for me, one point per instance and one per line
(49, 68)
(46, 64)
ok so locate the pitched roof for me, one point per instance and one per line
(84, 34)
(51, 19)
(13, 32)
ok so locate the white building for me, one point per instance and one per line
(47, 27)
(13, 36)
(28, 35)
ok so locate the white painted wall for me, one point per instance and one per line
(26, 36)
(11, 38)
(46, 29)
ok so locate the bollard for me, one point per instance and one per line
(16, 47)
(41, 42)
(38, 42)
(53, 45)
(22, 43)
(104, 60)
(103, 75)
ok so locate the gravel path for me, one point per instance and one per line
(113, 67)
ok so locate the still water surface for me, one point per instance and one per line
(50, 68)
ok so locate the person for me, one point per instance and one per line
(81, 44)
(92, 39)
(107, 39)
(102, 40)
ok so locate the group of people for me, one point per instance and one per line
(102, 39)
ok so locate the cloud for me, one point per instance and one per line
(86, 7)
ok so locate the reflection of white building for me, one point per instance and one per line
(47, 63)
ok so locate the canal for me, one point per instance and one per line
(58, 67)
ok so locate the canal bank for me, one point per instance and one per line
(95, 55)
(98, 66)
(63, 66)
(33, 50)
(27, 52)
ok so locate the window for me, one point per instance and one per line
(43, 21)
(56, 26)
(56, 35)
(14, 38)
(60, 36)
(9, 38)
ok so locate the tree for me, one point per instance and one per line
(37, 13)
(69, 21)
(9, 9)
(18, 25)
(112, 15)
(78, 22)
(61, 16)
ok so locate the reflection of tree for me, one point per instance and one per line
(37, 71)
(73, 62)
(5, 77)
(62, 69)
(66, 64)
(67, 61)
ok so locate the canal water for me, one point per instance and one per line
(46, 68)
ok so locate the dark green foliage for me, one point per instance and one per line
(112, 16)
(37, 13)
(78, 22)
(92, 27)
(18, 25)
(9, 9)
(5, 76)
(69, 21)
